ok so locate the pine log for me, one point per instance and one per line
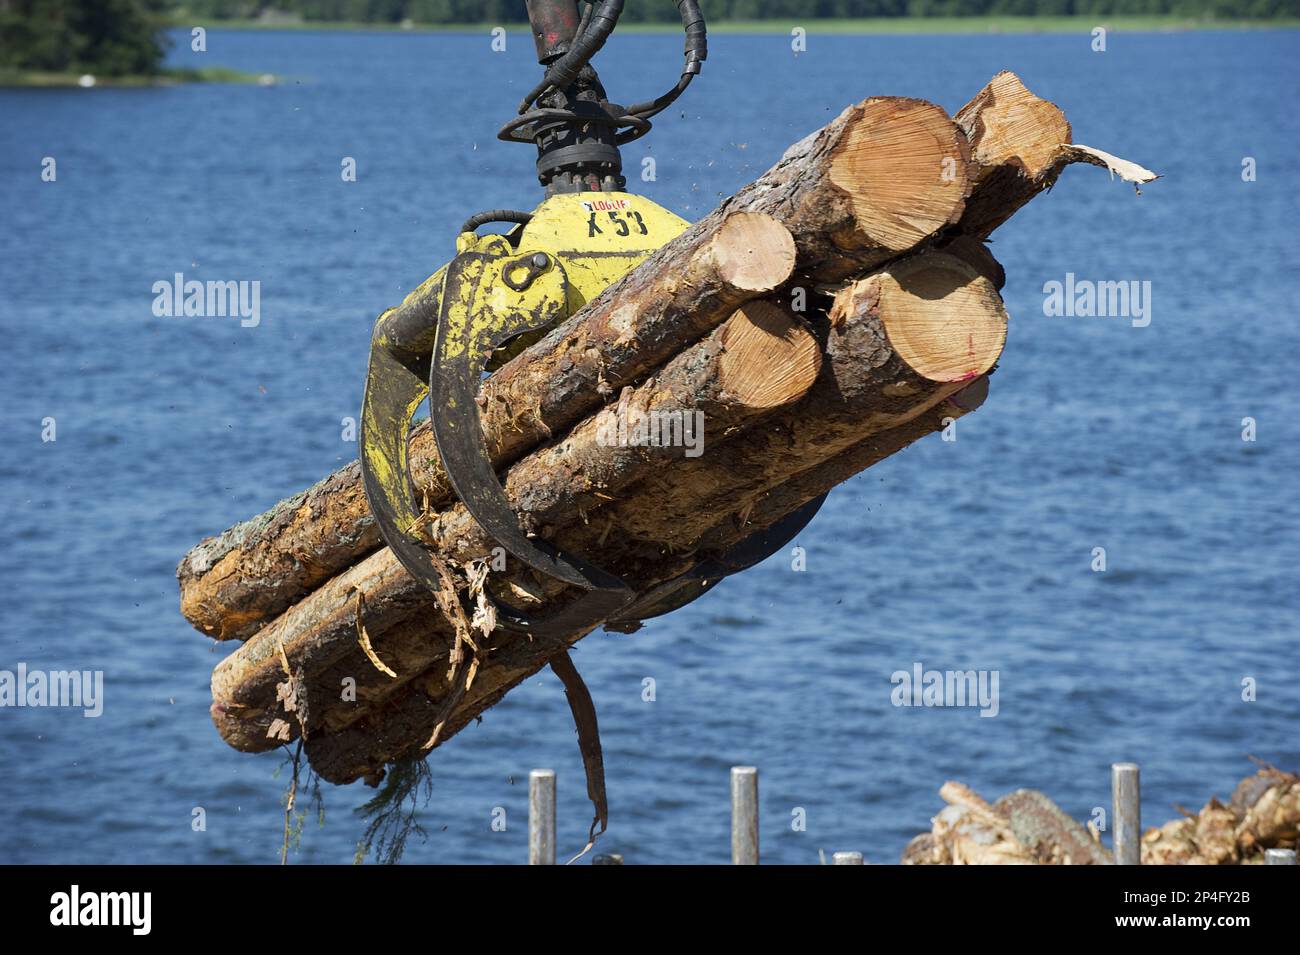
(372, 737)
(1014, 136)
(704, 505)
(764, 508)
(233, 584)
(761, 359)
(864, 386)
(882, 177)
(1019, 145)
(897, 342)
(886, 175)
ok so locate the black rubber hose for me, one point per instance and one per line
(697, 51)
(496, 215)
(565, 70)
(697, 34)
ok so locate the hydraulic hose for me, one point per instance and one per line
(697, 51)
(565, 70)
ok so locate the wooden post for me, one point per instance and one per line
(1279, 857)
(744, 815)
(541, 817)
(1127, 813)
(847, 858)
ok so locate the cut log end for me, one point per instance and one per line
(903, 165)
(977, 255)
(1008, 125)
(941, 317)
(753, 252)
(770, 359)
(1019, 144)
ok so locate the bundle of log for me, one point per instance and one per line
(1026, 828)
(831, 313)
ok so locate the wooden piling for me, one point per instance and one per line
(541, 817)
(744, 815)
(1127, 813)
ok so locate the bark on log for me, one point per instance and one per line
(371, 738)
(233, 584)
(864, 387)
(886, 175)
(1021, 828)
(897, 342)
(883, 176)
(761, 359)
(1027, 828)
(1264, 813)
(765, 508)
(905, 349)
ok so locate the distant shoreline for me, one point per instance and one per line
(973, 26)
(38, 79)
(881, 25)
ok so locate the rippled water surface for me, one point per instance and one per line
(973, 554)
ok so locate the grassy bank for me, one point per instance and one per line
(40, 80)
(887, 25)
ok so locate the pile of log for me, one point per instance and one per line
(831, 313)
(1021, 828)
(1263, 813)
(1027, 828)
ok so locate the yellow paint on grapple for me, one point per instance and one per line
(593, 240)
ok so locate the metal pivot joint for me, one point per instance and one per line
(567, 116)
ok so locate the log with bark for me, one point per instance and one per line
(1026, 828)
(825, 317)
(1019, 146)
(830, 207)
(645, 532)
(1021, 828)
(402, 725)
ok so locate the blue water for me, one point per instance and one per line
(971, 555)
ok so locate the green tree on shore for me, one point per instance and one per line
(513, 11)
(103, 37)
(114, 38)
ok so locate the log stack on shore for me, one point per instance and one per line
(829, 314)
(1026, 828)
